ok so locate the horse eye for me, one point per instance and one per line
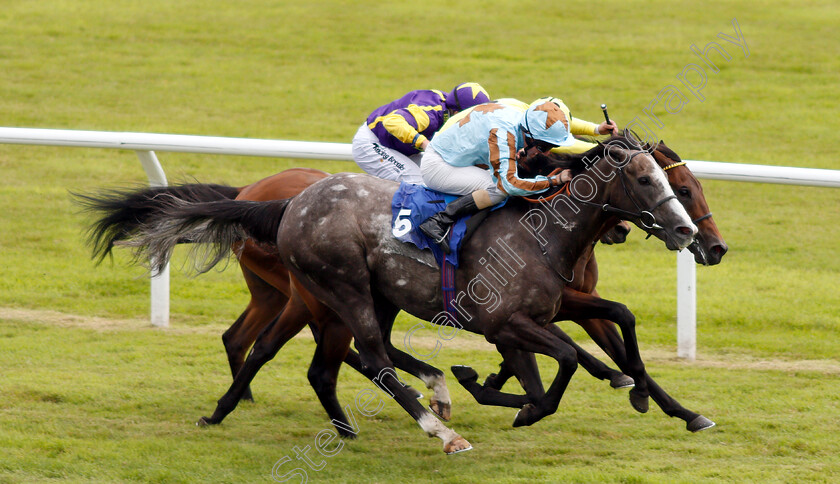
(643, 180)
(684, 192)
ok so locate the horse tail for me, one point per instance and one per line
(213, 227)
(122, 212)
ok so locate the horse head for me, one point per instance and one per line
(637, 190)
(708, 247)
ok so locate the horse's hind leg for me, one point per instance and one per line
(378, 368)
(290, 321)
(356, 305)
(604, 333)
(353, 361)
(236, 347)
(333, 344)
(434, 379)
(239, 337)
(266, 303)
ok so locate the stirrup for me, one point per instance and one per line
(443, 237)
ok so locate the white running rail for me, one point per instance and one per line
(146, 144)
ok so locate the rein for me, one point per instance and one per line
(645, 217)
(568, 280)
(562, 190)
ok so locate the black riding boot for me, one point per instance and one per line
(438, 225)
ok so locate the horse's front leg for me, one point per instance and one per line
(578, 305)
(604, 333)
(592, 365)
(518, 363)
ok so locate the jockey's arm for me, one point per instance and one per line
(396, 124)
(578, 147)
(581, 127)
(504, 156)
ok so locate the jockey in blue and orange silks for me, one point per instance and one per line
(390, 142)
(475, 155)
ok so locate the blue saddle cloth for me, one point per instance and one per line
(411, 205)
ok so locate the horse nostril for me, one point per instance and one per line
(719, 249)
(685, 230)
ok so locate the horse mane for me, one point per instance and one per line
(668, 152)
(578, 162)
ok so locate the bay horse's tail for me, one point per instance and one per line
(123, 212)
(213, 227)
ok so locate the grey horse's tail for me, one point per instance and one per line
(212, 227)
(120, 213)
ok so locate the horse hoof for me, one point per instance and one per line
(492, 382)
(344, 433)
(527, 415)
(441, 409)
(204, 422)
(464, 374)
(456, 445)
(639, 403)
(699, 423)
(622, 381)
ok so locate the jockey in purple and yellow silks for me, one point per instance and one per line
(475, 155)
(390, 142)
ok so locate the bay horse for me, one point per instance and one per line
(368, 250)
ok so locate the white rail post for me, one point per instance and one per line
(159, 281)
(686, 305)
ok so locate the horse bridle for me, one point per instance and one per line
(645, 217)
(700, 218)
(696, 242)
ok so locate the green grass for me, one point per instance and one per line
(119, 405)
(104, 397)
